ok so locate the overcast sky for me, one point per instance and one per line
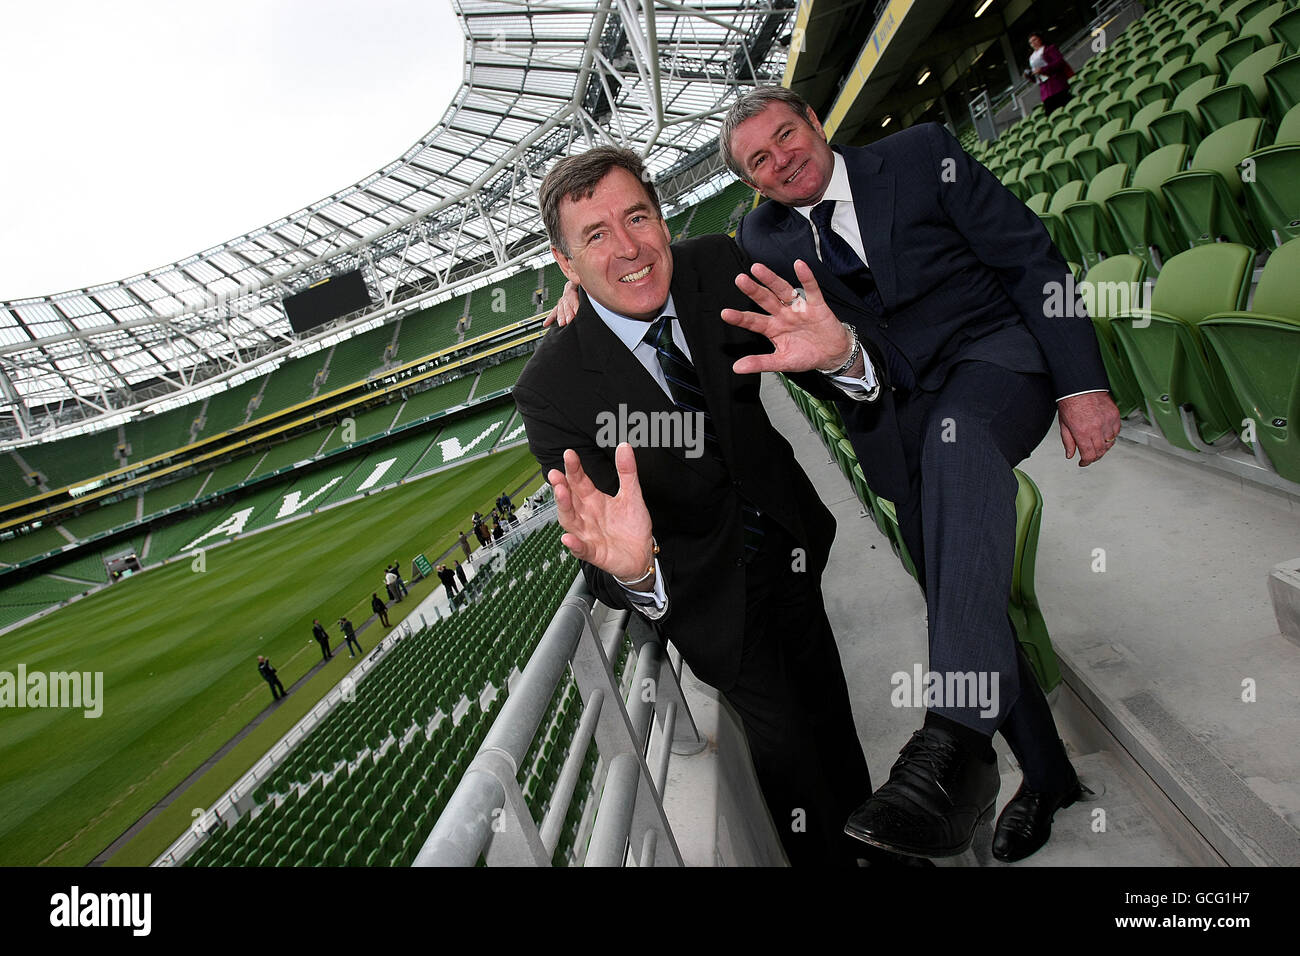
(138, 132)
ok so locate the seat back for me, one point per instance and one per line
(1203, 280)
(1278, 291)
(1110, 180)
(1070, 192)
(1223, 149)
(1114, 287)
(1159, 166)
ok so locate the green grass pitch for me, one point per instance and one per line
(178, 651)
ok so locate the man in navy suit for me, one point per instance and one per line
(942, 340)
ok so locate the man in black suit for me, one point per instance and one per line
(954, 356)
(714, 534)
(269, 675)
(322, 638)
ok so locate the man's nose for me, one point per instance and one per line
(626, 244)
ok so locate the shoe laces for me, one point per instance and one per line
(928, 752)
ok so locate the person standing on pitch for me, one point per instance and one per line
(268, 674)
(322, 638)
(349, 636)
(380, 608)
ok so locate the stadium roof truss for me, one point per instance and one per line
(542, 79)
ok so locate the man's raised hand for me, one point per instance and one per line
(803, 329)
(566, 309)
(612, 533)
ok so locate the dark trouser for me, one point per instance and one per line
(959, 524)
(1055, 102)
(353, 642)
(793, 700)
(325, 649)
(383, 616)
(276, 694)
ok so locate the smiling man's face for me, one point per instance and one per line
(618, 246)
(784, 156)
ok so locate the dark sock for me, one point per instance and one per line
(974, 741)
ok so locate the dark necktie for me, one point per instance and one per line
(839, 257)
(684, 386)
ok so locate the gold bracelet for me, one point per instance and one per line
(654, 550)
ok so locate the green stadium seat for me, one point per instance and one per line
(1034, 177)
(1181, 123)
(1239, 12)
(1244, 93)
(1140, 211)
(1087, 220)
(1192, 407)
(1116, 106)
(1283, 82)
(1111, 287)
(1286, 29)
(1271, 180)
(1257, 351)
(1255, 33)
(1022, 608)
(1059, 167)
(1051, 217)
(1206, 201)
(1165, 75)
(1095, 155)
(1130, 145)
(1146, 91)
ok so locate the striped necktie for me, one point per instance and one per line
(684, 386)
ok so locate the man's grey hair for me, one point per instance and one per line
(576, 177)
(746, 108)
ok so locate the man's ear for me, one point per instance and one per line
(814, 123)
(566, 265)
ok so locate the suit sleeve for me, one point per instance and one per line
(549, 434)
(1011, 240)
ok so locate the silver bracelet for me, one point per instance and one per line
(631, 585)
(853, 353)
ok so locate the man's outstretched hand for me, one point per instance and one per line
(566, 309)
(804, 331)
(614, 534)
(1090, 423)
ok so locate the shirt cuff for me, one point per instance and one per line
(653, 604)
(864, 389)
(1086, 391)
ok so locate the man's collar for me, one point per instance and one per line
(837, 189)
(630, 331)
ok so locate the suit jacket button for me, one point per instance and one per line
(884, 325)
(739, 562)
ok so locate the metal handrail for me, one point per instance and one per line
(487, 816)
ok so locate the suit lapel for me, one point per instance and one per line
(794, 237)
(873, 204)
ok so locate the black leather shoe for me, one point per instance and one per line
(1026, 821)
(936, 795)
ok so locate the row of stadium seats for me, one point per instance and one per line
(1023, 609)
(368, 783)
(1164, 148)
(1202, 366)
(366, 425)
